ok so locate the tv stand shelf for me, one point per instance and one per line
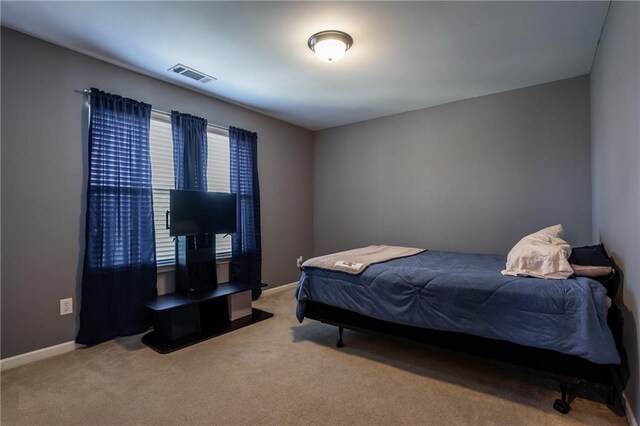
(185, 318)
(175, 300)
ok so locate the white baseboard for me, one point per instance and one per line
(628, 411)
(44, 353)
(280, 288)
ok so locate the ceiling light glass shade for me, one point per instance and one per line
(330, 46)
(330, 50)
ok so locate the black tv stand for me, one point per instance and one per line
(185, 318)
(196, 266)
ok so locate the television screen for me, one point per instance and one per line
(199, 212)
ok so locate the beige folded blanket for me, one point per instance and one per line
(357, 260)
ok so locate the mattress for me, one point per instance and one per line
(467, 293)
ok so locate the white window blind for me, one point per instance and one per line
(161, 148)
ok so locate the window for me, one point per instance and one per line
(161, 147)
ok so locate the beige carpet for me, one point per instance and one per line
(280, 372)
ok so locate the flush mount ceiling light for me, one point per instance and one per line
(330, 45)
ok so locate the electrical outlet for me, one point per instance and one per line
(66, 306)
(299, 261)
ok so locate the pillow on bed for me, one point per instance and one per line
(591, 271)
(542, 254)
(590, 255)
(591, 261)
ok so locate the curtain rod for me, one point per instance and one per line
(159, 111)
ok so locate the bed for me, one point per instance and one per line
(463, 302)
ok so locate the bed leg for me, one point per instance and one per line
(562, 405)
(610, 394)
(340, 344)
(615, 401)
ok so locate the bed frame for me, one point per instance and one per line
(573, 373)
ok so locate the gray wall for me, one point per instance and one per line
(615, 136)
(471, 176)
(43, 178)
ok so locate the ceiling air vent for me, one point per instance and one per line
(191, 73)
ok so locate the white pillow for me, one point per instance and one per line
(591, 271)
(542, 254)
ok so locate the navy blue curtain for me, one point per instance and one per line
(189, 151)
(190, 161)
(246, 249)
(120, 257)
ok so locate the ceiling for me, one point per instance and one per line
(406, 55)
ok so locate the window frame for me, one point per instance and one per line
(222, 256)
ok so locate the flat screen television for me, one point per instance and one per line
(200, 212)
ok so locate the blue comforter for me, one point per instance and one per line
(466, 293)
